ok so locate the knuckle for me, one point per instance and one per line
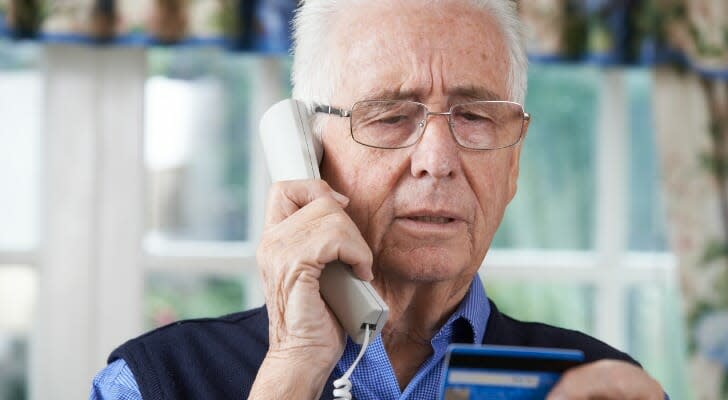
(321, 185)
(339, 227)
(275, 188)
(325, 204)
(369, 256)
(324, 251)
(285, 248)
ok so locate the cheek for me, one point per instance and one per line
(341, 158)
(492, 188)
(372, 202)
(368, 178)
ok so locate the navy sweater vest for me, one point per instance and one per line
(218, 358)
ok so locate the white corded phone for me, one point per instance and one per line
(292, 152)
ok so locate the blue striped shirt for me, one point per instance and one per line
(373, 378)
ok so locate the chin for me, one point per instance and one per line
(424, 265)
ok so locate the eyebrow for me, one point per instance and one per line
(474, 92)
(469, 92)
(391, 94)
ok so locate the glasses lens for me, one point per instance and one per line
(487, 125)
(386, 124)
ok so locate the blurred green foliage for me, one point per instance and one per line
(564, 305)
(170, 297)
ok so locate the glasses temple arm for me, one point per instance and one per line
(332, 111)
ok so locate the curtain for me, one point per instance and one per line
(695, 223)
(692, 128)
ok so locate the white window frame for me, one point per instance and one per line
(91, 274)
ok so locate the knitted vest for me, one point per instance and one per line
(218, 358)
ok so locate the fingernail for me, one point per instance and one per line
(340, 198)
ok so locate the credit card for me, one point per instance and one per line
(475, 372)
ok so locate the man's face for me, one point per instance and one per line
(428, 212)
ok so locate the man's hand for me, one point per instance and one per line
(306, 227)
(606, 380)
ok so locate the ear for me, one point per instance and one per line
(515, 163)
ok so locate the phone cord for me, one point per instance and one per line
(342, 386)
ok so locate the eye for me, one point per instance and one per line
(480, 117)
(473, 117)
(392, 120)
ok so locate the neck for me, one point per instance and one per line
(420, 308)
(417, 311)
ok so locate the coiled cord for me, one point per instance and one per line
(342, 386)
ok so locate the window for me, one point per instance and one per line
(555, 204)
(20, 111)
(197, 137)
(205, 195)
(583, 245)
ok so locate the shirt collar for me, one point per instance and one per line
(467, 324)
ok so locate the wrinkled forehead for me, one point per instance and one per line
(419, 48)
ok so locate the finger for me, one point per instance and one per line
(354, 252)
(593, 380)
(298, 239)
(575, 384)
(606, 379)
(287, 197)
(322, 232)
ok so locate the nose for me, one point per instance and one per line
(436, 154)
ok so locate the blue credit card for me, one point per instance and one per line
(474, 372)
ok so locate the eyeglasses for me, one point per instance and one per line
(395, 124)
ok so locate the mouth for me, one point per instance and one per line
(431, 224)
(431, 216)
(431, 219)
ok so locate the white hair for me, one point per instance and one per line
(316, 71)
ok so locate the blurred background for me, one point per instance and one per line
(132, 184)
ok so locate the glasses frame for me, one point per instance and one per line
(340, 112)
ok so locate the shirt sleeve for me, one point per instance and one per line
(115, 382)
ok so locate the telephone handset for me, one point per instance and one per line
(292, 152)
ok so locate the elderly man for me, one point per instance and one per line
(418, 169)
